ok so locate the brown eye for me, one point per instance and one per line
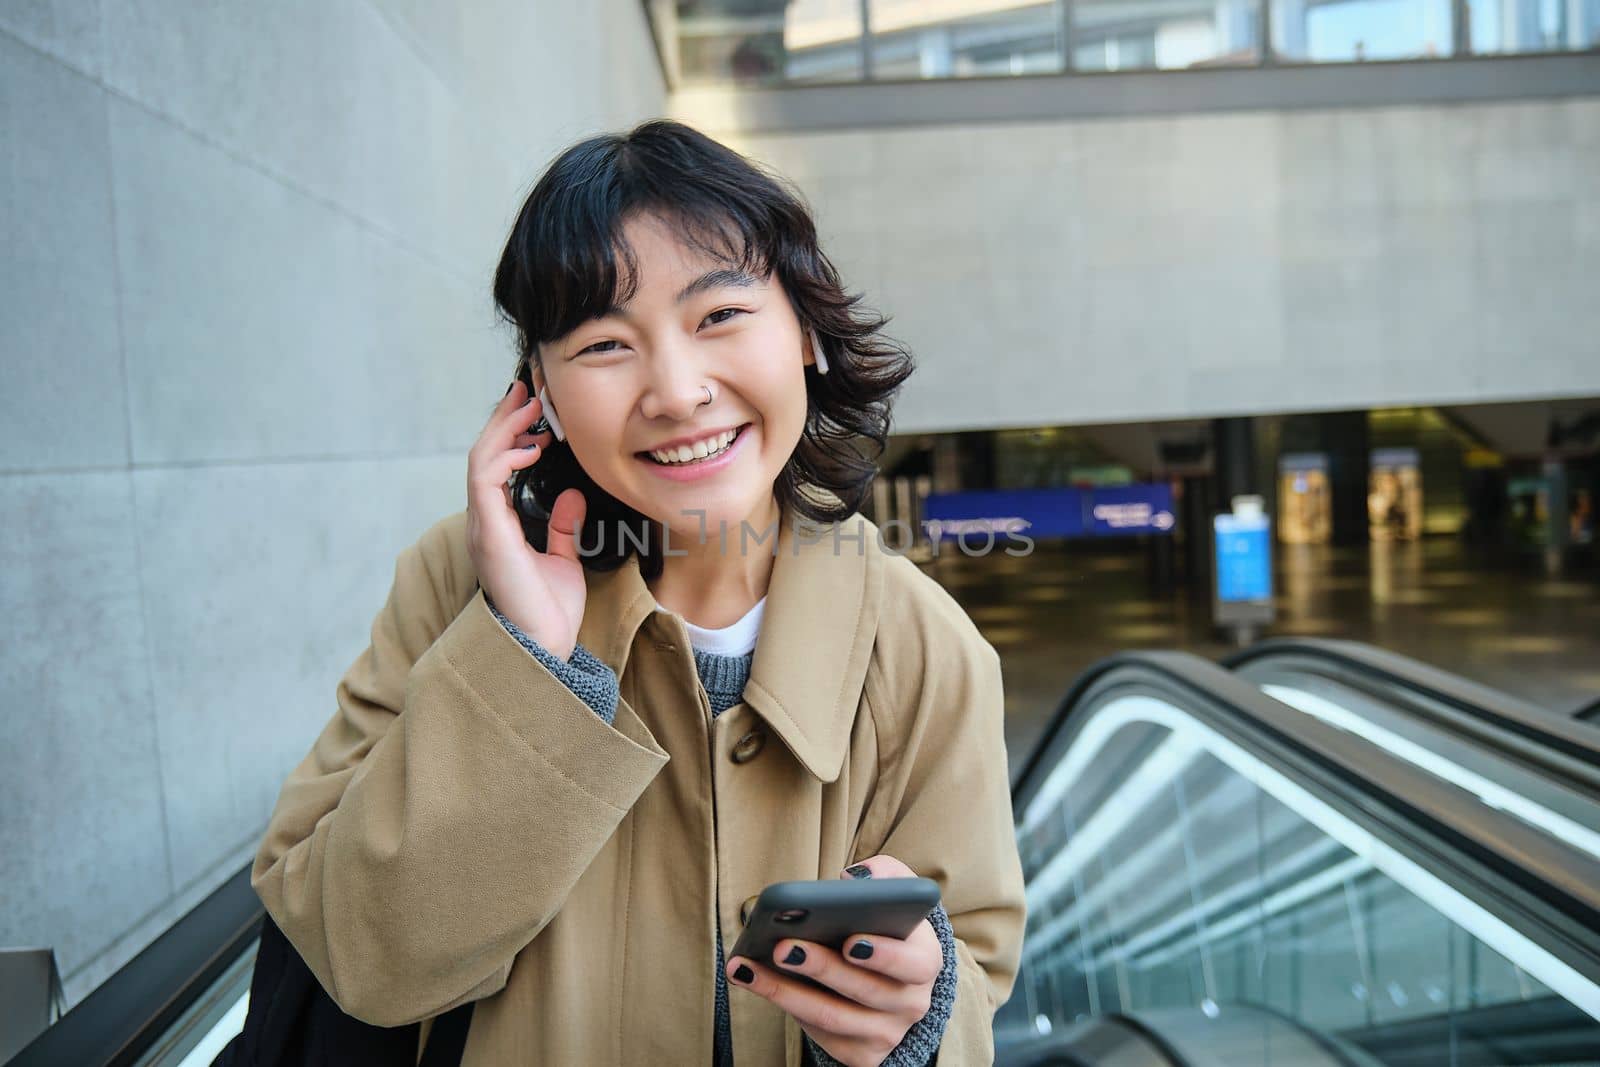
(731, 312)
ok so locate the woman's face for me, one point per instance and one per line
(631, 383)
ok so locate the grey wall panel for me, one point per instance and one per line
(302, 206)
(62, 405)
(1183, 265)
(69, 30)
(326, 96)
(261, 584)
(416, 119)
(262, 323)
(435, 31)
(81, 825)
(1541, 275)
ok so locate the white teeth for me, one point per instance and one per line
(699, 450)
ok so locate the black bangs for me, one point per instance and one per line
(566, 262)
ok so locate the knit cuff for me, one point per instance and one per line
(920, 1046)
(585, 674)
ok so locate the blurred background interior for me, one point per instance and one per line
(1263, 318)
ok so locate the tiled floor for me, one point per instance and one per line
(1054, 612)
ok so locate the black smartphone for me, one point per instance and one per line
(829, 910)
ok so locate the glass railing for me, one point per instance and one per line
(1533, 764)
(1510, 26)
(774, 42)
(1348, 31)
(1209, 868)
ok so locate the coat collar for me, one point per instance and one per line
(815, 641)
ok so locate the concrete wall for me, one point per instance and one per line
(247, 340)
(1095, 270)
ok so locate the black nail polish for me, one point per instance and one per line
(508, 388)
(743, 974)
(861, 950)
(860, 870)
(796, 955)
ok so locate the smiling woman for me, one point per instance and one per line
(574, 751)
(649, 390)
(648, 267)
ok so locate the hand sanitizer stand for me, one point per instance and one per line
(1242, 542)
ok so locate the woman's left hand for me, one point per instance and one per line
(871, 1000)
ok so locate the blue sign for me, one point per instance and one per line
(952, 515)
(1116, 511)
(1244, 559)
(1111, 511)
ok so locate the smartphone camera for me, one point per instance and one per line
(791, 915)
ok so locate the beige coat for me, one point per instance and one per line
(465, 828)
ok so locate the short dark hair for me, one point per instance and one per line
(560, 269)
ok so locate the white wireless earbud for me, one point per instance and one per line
(548, 412)
(816, 350)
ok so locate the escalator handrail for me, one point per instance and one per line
(130, 1011)
(1150, 1037)
(1412, 707)
(1554, 891)
(1479, 704)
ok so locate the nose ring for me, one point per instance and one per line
(709, 397)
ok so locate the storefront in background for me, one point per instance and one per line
(1394, 494)
(1305, 499)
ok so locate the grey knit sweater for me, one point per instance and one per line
(723, 678)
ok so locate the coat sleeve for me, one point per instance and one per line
(943, 807)
(448, 807)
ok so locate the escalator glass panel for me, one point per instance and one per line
(1567, 816)
(1170, 870)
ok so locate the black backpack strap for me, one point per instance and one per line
(448, 1037)
(292, 1022)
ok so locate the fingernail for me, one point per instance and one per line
(861, 950)
(509, 387)
(743, 975)
(796, 955)
(860, 870)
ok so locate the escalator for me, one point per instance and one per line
(176, 1003)
(1316, 855)
(1325, 855)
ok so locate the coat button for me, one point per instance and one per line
(746, 748)
(746, 908)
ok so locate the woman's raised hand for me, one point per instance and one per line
(542, 592)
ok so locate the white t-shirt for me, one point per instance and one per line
(736, 639)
